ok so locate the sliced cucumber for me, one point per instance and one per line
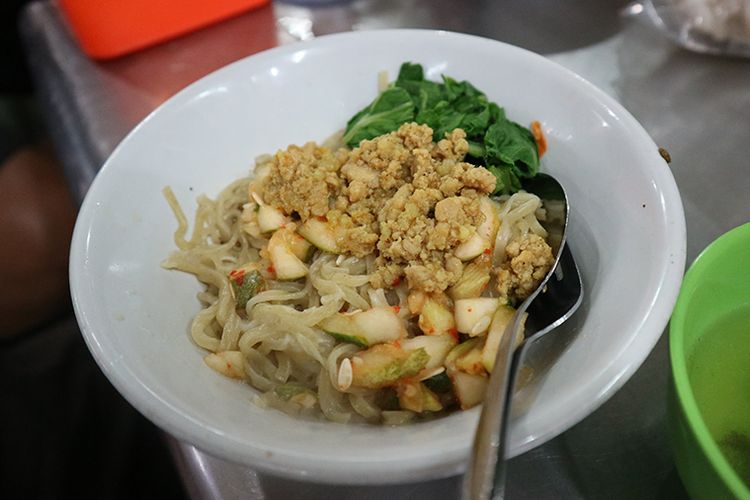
(473, 316)
(410, 396)
(458, 351)
(287, 391)
(430, 399)
(469, 389)
(481, 240)
(466, 357)
(471, 361)
(503, 316)
(352, 339)
(472, 247)
(384, 364)
(435, 318)
(379, 324)
(416, 397)
(300, 247)
(473, 280)
(321, 234)
(365, 328)
(270, 219)
(287, 266)
(246, 282)
(436, 346)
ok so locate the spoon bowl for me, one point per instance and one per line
(556, 298)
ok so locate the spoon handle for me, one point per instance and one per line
(485, 476)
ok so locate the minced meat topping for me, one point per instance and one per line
(528, 259)
(401, 196)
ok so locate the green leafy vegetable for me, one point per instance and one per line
(508, 143)
(440, 118)
(476, 121)
(504, 147)
(476, 149)
(424, 93)
(388, 111)
(454, 89)
(410, 72)
(507, 180)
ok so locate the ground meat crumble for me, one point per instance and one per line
(401, 196)
(528, 259)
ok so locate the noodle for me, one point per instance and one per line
(276, 332)
(518, 216)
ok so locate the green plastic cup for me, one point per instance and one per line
(714, 300)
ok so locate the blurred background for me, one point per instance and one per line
(77, 76)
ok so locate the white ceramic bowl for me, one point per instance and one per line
(627, 230)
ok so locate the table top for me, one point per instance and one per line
(693, 105)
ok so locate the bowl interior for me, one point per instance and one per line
(626, 216)
(714, 300)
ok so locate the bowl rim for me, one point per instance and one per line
(183, 426)
(678, 358)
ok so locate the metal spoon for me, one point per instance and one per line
(553, 302)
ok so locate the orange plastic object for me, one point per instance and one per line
(111, 28)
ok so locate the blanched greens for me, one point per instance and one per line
(504, 147)
(386, 113)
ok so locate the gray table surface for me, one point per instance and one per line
(696, 106)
